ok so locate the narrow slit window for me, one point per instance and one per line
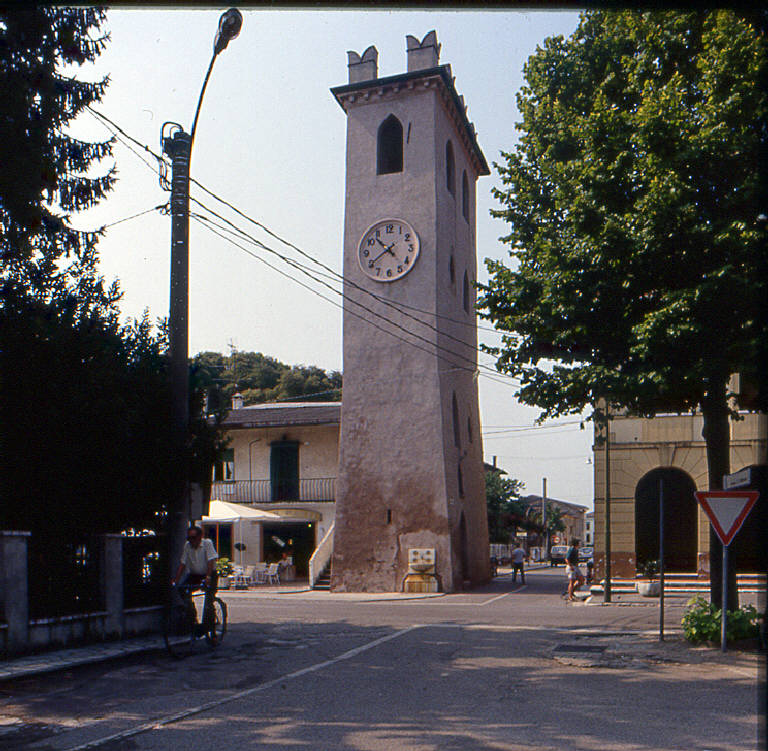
(465, 196)
(466, 292)
(456, 431)
(450, 169)
(389, 147)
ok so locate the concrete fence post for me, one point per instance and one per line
(111, 582)
(14, 588)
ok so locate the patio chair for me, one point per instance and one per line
(273, 573)
(259, 573)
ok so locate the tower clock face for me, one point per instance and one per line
(388, 250)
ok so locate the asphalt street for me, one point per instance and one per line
(505, 667)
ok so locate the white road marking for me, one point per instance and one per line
(170, 719)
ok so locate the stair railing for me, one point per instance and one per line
(321, 556)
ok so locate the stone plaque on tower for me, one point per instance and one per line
(410, 455)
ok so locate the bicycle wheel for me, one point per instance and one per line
(219, 626)
(178, 631)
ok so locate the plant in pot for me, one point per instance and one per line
(224, 569)
(648, 586)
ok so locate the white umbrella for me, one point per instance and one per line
(223, 512)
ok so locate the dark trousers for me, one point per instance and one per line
(193, 582)
(518, 567)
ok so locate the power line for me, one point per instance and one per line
(342, 278)
(134, 216)
(302, 269)
(477, 367)
(335, 274)
(333, 302)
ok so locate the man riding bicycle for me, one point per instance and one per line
(198, 560)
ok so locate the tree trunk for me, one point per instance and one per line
(716, 433)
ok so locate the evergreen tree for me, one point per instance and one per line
(46, 172)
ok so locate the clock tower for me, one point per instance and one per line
(410, 454)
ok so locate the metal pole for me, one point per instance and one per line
(607, 589)
(724, 618)
(545, 531)
(661, 559)
(179, 148)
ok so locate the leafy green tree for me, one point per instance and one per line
(633, 199)
(260, 378)
(506, 512)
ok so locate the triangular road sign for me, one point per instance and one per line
(727, 510)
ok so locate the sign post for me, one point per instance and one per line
(727, 510)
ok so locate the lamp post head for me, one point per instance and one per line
(230, 24)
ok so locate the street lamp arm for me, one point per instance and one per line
(230, 24)
(200, 99)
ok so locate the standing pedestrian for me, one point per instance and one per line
(575, 577)
(519, 557)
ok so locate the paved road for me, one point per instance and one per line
(508, 667)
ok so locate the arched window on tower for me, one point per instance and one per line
(465, 195)
(389, 147)
(450, 168)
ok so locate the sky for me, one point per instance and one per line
(271, 141)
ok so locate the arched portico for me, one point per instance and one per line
(680, 519)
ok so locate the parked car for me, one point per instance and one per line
(557, 554)
(585, 554)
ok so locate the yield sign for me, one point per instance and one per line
(727, 510)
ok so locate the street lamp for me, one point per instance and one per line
(178, 145)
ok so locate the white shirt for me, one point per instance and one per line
(196, 559)
(518, 555)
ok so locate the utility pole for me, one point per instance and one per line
(177, 144)
(178, 147)
(544, 530)
(607, 590)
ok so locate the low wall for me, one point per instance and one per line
(19, 634)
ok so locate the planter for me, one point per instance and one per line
(648, 588)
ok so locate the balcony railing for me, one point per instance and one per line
(262, 491)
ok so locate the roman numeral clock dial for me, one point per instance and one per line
(388, 250)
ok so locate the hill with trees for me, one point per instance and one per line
(260, 378)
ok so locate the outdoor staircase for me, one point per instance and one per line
(684, 584)
(324, 580)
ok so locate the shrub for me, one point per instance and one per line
(702, 622)
(224, 567)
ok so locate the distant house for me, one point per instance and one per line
(589, 528)
(282, 457)
(572, 513)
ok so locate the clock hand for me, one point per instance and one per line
(387, 248)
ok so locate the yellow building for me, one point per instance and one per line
(665, 454)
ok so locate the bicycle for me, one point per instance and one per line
(182, 629)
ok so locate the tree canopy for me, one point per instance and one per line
(634, 201)
(85, 397)
(260, 378)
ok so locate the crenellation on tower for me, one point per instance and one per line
(365, 67)
(423, 54)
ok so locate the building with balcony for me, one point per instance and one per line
(282, 458)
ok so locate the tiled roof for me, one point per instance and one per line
(283, 414)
